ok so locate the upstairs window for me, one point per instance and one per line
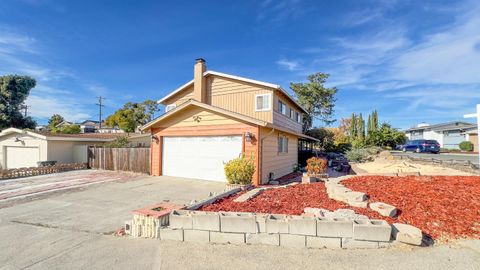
(282, 108)
(262, 102)
(170, 107)
(282, 144)
(298, 117)
(292, 114)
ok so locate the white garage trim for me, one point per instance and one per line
(201, 157)
(21, 156)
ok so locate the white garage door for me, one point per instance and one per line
(199, 157)
(19, 157)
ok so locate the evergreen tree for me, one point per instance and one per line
(361, 128)
(369, 124)
(353, 127)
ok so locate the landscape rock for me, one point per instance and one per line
(384, 209)
(407, 234)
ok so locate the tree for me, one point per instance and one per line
(316, 99)
(361, 128)
(69, 129)
(386, 136)
(325, 137)
(132, 115)
(14, 90)
(353, 126)
(54, 121)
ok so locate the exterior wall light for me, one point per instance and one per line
(248, 136)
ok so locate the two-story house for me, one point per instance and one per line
(216, 117)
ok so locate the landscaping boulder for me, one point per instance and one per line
(407, 234)
(355, 196)
(384, 209)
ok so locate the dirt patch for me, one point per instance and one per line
(441, 206)
(381, 166)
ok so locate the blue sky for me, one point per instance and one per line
(413, 61)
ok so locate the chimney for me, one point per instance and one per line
(199, 82)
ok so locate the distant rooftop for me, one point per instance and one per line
(443, 126)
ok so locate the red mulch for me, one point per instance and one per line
(441, 206)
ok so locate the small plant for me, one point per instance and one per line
(357, 155)
(466, 146)
(296, 167)
(240, 170)
(316, 166)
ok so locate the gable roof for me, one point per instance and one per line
(233, 77)
(93, 137)
(241, 117)
(445, 126)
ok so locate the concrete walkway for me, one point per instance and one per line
(72, 229)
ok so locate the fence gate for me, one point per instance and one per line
(120, 159)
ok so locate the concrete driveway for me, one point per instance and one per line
(72, 229)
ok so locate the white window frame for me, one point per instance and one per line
(298, 117)
(282, 106)
(282, 144)
(292, 114)
(170, 107)
(269, 107)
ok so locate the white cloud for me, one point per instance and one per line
(44, 107)
(288, 64)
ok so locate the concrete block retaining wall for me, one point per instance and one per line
(277, 230)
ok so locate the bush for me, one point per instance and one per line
(466, 146)
(240, 170)
(343, 147)
(373, 150)
(119, 142)
(316, 166)
(357, 155)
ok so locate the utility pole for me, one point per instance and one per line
(476, 115)
(100, 105)
(25, 109)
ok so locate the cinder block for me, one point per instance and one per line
(358, 204)
(208, 221)
(196, 236)
(272, 239)
(352, 243)
(302, 225)
(261, 220)
(355, 196)
(180, 219)
(238, 222)
(276, 224)
(384, 209)
(171, 234)
(407, 234)
(324, 242)
(227, 238)
(295, 241)
(372, 230)
(334, 227)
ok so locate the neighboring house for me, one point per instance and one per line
(64, 124)
(140, 140)
(89, 126)
(216, 117)
(449, 135)
(21, 148)
(471, 135)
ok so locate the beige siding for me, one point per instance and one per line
(236, 96)
(66, 151)
(272, 161)
(196, 117)
(282, 120)
(181, 97)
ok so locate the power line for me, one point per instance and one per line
(100, 105)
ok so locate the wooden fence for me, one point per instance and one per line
(120, 159)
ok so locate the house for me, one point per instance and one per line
(449, 134)
(471, 135)
(216, 117)
(89, 126)
(22, 148)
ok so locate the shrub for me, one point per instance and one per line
(316, 166)
(119, 142)
(357, 155)
(373, 150)
(240, 170)
(466, 146)
(357, 143)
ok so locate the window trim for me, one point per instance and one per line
(171, 106)
(269, 107)
(284, 106)
(282, 144)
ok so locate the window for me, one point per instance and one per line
(292, 114)
(262, 102)
(282, 144)
(282, 108)
(298, 118)
(170, 107)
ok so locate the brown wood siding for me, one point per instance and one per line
(196, 116)
(285, 120)
(237, 96)
(272, 161)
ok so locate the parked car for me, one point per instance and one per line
(420, 146)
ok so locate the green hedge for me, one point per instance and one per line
(466, 146)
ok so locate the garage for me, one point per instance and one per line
(201, 157)
(19, 157)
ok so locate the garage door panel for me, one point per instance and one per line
(18, 157)
(199, 157)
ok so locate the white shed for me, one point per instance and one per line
(22, 148)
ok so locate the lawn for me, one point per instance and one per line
(441, 206)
